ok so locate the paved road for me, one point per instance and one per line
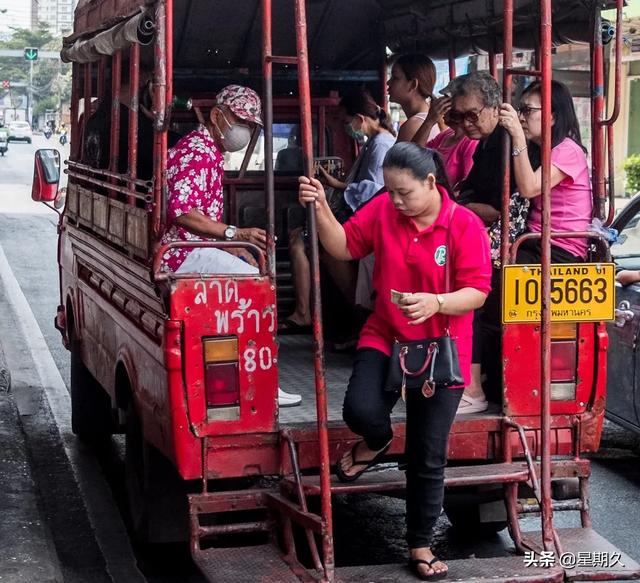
(82, 503)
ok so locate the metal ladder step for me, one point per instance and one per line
(393, 480)
(494, 570)
(259, 563)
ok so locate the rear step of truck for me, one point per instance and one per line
(393, 480)
(496, 570)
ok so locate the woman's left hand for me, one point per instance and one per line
(419, 307)
(328, 179)
(509, 120)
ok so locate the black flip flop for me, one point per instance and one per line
(435, 576)
(288, 326)
(344, 477)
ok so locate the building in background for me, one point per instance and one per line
(15, 14)
(56, 14)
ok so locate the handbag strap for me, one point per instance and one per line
(449, 259)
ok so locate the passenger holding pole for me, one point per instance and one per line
(571, 197)
(408, 230)
(476, 100)
(410, 85)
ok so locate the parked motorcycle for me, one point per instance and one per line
(63, 138)
(47, 133)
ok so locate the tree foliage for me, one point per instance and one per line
(51, 78)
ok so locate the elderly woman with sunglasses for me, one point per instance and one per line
(475, 107)
(571, 198)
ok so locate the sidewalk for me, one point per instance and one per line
(26, 553)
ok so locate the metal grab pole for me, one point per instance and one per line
(321, 385)
(545, 422)
(597, 115)
(507, 62)
(267, 89)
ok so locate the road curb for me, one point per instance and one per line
(5, 373)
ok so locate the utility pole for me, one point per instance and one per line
(30, 95)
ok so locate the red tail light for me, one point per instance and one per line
(221, 382)
(563, 361)
(221, 372)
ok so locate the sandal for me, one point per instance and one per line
(435, 576)
(288, 326)
(470, 405)
(344, 477)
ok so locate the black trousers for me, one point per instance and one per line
(367, 412)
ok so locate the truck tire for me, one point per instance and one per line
(91, 415)
(156, 494)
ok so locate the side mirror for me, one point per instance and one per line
(46, 175)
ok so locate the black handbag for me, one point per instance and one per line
(425, 364)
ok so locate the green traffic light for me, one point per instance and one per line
(31, 54)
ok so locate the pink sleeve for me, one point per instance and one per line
(471, 254)
(435, 142)
(185, 186)
(569, 158)
(360, 228)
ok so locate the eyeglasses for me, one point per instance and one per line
(527, 110)
(458, 117)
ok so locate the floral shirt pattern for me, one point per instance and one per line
(518, 212)
(194, 181)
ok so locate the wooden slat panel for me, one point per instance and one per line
(137, 233)
(117, 215)
(71, 209)
(100, 213)
(85, 207)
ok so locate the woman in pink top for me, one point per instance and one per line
(456, 150)
(571, 198)
(409, 230)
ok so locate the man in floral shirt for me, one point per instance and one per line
(194, 181)
(195, 203)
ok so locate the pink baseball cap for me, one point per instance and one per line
(242, 101)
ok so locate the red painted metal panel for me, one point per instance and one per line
(222, 307)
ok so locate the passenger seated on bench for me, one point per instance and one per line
(289, 159)
(407, 230)
(194, 181)
(364, 120)
(571, 198)
(475, 106)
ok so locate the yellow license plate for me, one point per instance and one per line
(580, 292)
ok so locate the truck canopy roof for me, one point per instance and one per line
(343, 36)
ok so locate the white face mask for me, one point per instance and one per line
(236, 136)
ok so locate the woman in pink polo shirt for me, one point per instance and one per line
(408, 231)
(571, 198)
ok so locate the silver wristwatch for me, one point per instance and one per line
(230, 233)
(441, 300)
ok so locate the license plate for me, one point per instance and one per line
(580, 292)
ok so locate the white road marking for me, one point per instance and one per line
(103, 513)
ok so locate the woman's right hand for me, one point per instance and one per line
(439, 107)
(311, 191)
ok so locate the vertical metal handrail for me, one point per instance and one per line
(597, 115)
(302, 498)
(267, 88)
(114, 142)
(134, 100)
(162, 95)
(507, 78)
(304, 90)
(608, 123)
(549, 538)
